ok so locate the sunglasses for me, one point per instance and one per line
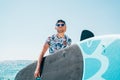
(58, 25)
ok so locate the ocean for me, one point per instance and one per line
(9, 69)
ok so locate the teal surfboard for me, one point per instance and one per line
(101, 58)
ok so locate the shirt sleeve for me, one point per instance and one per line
(69, 41)
(48, 40)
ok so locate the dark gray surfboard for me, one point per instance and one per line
(66, 64)
(86, 34)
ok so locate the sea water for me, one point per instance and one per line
(9, 69)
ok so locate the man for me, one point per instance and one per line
(54, 43)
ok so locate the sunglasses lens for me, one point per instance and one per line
(58, 25)
(62, 24)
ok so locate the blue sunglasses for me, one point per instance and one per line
(58, 25)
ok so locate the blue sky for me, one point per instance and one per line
(26, 24)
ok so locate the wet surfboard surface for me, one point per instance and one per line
(101, 58)
(66, 64)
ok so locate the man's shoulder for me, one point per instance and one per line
(51, 36)
(66, 36)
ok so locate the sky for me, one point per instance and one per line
(26, 24)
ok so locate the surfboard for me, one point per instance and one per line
(85, 34)
(96, 58)
(101, 57)
(66, 64)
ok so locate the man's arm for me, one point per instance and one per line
(37, 70)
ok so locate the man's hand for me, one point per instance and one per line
(37, 73)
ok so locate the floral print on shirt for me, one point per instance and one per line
(58, 43)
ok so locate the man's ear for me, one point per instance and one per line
(55, 28)
(65, 28)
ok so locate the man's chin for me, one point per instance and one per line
(60, 31)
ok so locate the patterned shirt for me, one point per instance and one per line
(57, 43)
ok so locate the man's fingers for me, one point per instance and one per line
(37, 75)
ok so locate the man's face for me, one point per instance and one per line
(60, 27)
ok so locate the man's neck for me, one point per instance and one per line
(60, 35)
